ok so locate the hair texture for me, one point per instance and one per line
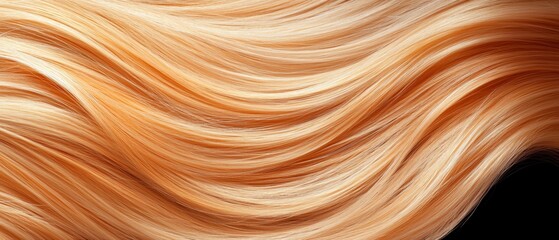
(271, 119)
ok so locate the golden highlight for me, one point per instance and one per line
(272, 119)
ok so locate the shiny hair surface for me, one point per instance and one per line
(271, 119)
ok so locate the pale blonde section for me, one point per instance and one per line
(272, 119)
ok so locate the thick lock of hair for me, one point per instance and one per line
(272, 119)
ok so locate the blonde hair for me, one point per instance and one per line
(272, 119)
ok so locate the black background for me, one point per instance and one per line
(523, 204)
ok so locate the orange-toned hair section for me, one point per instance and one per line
(272, 119)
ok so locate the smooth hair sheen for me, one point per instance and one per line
(270, 119)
